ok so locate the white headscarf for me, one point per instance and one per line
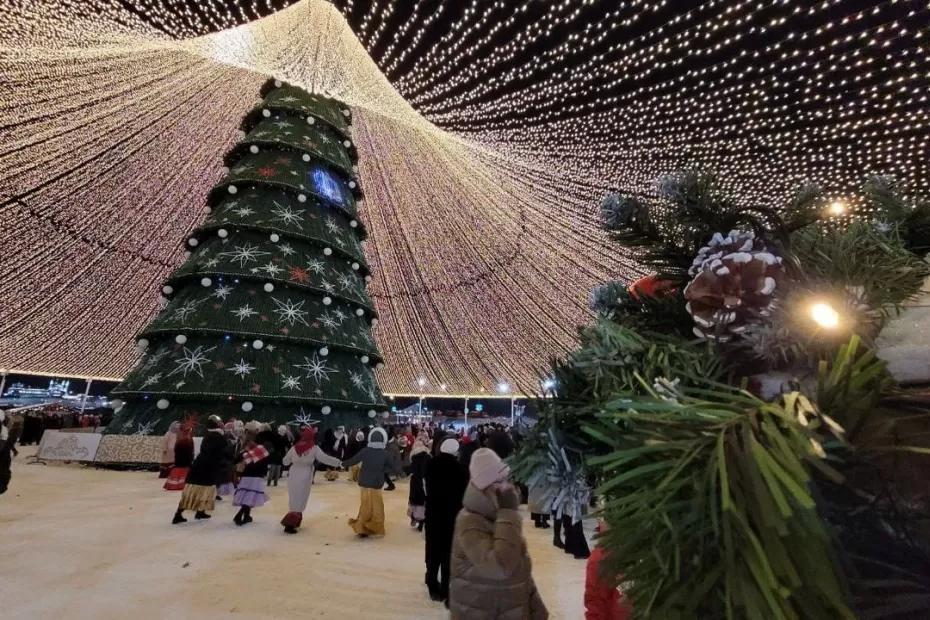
(380, 443)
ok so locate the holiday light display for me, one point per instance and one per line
(485, 240)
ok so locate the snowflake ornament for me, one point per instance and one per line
(192, 361)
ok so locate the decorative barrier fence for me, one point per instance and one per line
(103, 449)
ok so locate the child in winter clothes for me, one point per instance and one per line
(602, 599)
(491, 570)
(375, 466)
(254, 462)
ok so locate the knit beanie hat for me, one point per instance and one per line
(486, 468)
(377, 438)
(449, 446)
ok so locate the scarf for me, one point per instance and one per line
(306, 442)
(254, 455)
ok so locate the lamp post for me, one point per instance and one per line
(86, 392)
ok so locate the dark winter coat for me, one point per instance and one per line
(446, 480)
(279, 445)
(207, 468)
(418, 464)
(6, 461)
(355, 446)
(465, 453)
(375, 464)
(395, 464)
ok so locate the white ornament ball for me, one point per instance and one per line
(379, 365)
(327, 251)
(247, 406)
(266, 113)
(274, 237)
(359, 312)
(208, 209)
(180, 339)
(346, 143)
(354, 223)
(372, 413)
(385, 414)
(225, 169)
(310, 120)
(162, 403)
(326, 410)
(187, 253)
(253, 149)
(117, 404)
(346, 113)
(352, 184)
(324, 351)
(277, 83)
(167, 290)
(268, 287)
(206, 282)
(374, 321)
(365, 359)
(355, 168)
(355, 266)
(232, 189)
(305, 157)
(301, 198)
(142, 343)
(222, 233)
(257, 344)
(368, 278)
(327, 300)
(192, 242)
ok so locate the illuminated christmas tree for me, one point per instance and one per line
(268, 318)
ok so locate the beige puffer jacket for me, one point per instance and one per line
(491, 571)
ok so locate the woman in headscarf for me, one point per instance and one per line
(183, 458)
(167, 449)
(446, 480)
(302, 458)
(200, 489)
(254, 463)
(375, 466)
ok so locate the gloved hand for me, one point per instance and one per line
(507, 497)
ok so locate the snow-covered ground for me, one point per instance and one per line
(77, 543)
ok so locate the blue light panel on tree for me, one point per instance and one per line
(328, 185)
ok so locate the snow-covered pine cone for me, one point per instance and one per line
(734, 284)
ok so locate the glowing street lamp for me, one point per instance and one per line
(503, 387)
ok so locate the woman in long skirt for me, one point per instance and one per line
(375, 466)
(302, 458)
(251, 491)
(167, 449)
(183, 458)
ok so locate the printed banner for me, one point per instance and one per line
(61, 446)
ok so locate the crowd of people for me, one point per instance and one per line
(475, 555)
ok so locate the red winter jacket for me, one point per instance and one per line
(602, 601)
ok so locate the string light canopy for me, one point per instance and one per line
(487, 131)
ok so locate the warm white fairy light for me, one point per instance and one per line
(484, 241)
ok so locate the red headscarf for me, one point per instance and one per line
(306, 442)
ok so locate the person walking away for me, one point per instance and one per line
(416, 499)
(491, 569)
(200, 487)
(445, 480)
(302, 458)
(254, 463)
(182, 459)
(602, 599)
(354, 448)
(167, 449)
(538, 504)
(375, 466)
(278, 449)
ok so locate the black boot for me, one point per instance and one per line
(289, 530)
(178, 518)
(238, 518)
(247, 517)
(557, 532)
(201, 515)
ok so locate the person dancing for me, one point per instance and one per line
(200, 488)
(302, 458)
(254, 461)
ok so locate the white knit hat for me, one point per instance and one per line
(375, 442)
(486, 468)
(449, 446)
